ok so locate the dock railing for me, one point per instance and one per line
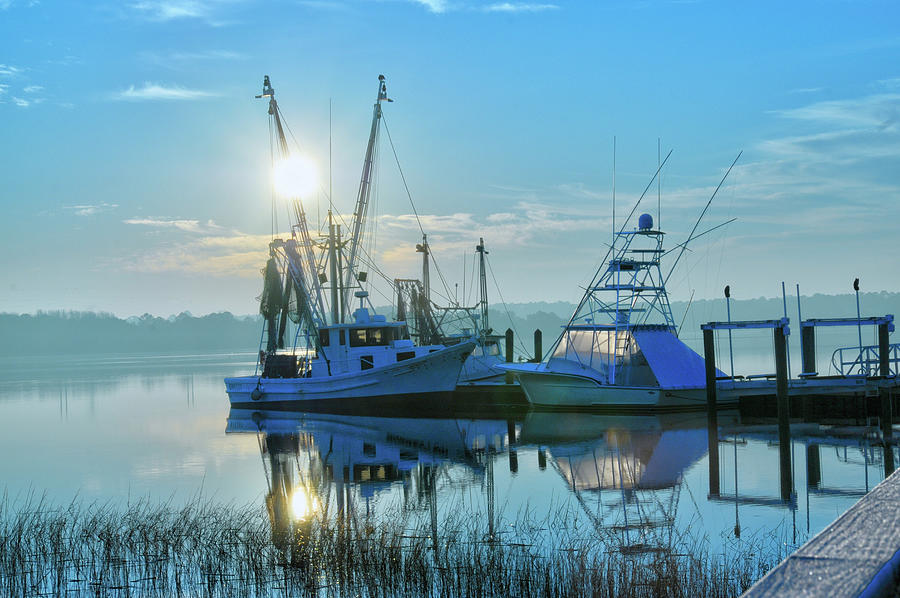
(850, 361)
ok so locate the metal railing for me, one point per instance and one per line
(851, 361)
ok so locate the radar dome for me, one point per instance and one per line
(645, 222)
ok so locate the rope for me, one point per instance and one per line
(413, 205)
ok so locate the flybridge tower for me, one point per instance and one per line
(632, 289)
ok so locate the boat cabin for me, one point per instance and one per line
(641, 355)
(370, 341)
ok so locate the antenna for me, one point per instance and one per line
(330, 170)
(614, 197)
(658, 187)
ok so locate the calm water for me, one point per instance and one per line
(113, 429)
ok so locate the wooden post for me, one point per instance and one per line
(538, 345)
(887, 414)
(511, 446)
(784, 413)
(509, 353)
(884, 351)
(712, 417)
(808, 349)
(813, 466)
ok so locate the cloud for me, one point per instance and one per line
(228, 255)
(806, 90)
(323, 4)
(8, 70)
(892, 83)
(190, 226)
(511, 7)
(33, 88)
(90, 210)
(435, 6)
(21, 103)
(178, 59)
(154, 91)
(6, 4)
(163, 11)
(3, 88)
(167, 10)
(880, 110)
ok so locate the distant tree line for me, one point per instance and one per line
(67, 332)
(72, 332)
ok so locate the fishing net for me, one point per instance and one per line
(272, 299)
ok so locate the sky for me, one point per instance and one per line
(135, 171)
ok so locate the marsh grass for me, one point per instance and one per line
(209, 549)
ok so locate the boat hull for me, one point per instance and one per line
(568, 391)
(436, 372)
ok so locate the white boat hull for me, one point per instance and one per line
(432, 373)
(559, 390)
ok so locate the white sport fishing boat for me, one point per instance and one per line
(334, 356)
(620, 348)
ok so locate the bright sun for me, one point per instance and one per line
(295, 176)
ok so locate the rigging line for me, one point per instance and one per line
(696, 224)
(413, 205)
(300, 149)
(726, 223)
(402, 176)
(272, 187)
(506, 308)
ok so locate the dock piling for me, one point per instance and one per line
(808, 349)
(813, 466)
(884, 350)
(538, 345)
(712, 418)
(783, 400)
(509, 353)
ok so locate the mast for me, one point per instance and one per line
(482, 278)
(300, 227)
(365, 189)
(332, 262)
(426, 276)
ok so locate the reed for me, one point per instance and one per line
(209, 549)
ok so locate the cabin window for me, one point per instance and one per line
(491, 348)
(368, 449)
(343, 337)
(323, 338)
(403, 333)
(358, 337)
(366, 362)
(404, 355)
(369, 337)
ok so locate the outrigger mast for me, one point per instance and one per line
(351, 277)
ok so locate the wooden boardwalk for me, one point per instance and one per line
(857, 555)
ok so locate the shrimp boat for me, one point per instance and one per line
(335, 355)
(620, 348)
(454, 323)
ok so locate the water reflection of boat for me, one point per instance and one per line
(625, 471)
(314, 460)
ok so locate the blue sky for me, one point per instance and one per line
(135, 170)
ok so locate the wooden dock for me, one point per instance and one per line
(857, 555)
